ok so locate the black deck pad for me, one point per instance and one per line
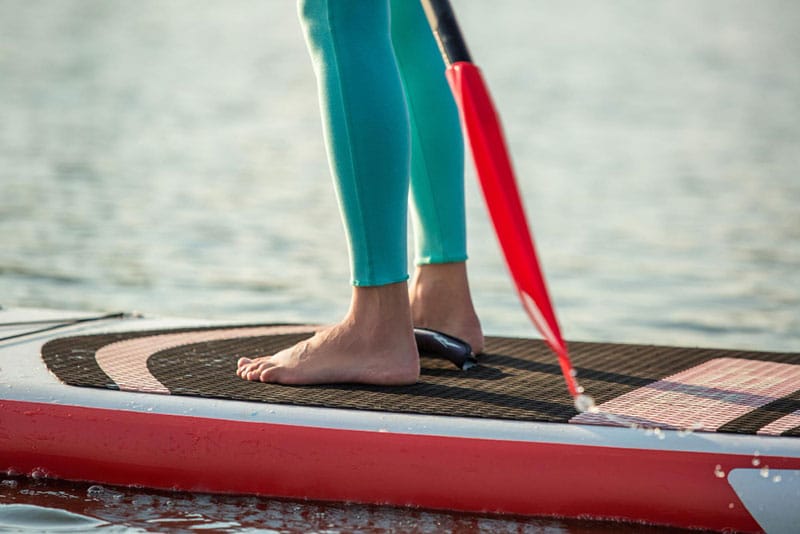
(517, 379)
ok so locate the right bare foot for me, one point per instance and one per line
(374, 344)
(441, 300)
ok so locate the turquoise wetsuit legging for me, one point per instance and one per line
(388, 115)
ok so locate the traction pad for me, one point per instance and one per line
(516, 379)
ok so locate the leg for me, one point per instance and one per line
(366, 131)
(440, 297)
(365, 123)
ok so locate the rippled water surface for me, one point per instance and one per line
(64, 507)
(167, 157)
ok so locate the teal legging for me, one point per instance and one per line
(388, 114)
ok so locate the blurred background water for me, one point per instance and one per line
(167, 157)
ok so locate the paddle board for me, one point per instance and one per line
(698, 438)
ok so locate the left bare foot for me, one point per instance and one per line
(374, 344)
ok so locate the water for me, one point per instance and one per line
(584, 403)
(64, 507)
(167, 157)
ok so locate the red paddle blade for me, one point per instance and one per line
(493, 164)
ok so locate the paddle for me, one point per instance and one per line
(493, 164)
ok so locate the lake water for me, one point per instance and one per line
(167, 157)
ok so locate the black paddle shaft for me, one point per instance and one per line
(445, 28)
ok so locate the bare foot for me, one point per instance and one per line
(374, 344)
(441, 300)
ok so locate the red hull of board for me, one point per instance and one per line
(437, 472)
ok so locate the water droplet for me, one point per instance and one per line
(730, 505)
(584, 403)
(756, 461)
(777, 478)
(765, 471)
(718, 472)
(9, 483)
(580, 389)
(573, 373)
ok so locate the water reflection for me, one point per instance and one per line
(69, 507)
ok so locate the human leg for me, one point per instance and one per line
(365, 124)
(439, 293)
(366, 131)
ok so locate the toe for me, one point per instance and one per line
(266, 374)
(240, 371)
(256, 370)
(243, 369)
(276, 374)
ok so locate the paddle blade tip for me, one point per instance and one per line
(584, 403)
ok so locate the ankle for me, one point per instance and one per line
(381, 312)
(369, 302)
(444, 282)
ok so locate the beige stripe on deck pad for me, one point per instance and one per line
(125, 362)
(704, 397)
